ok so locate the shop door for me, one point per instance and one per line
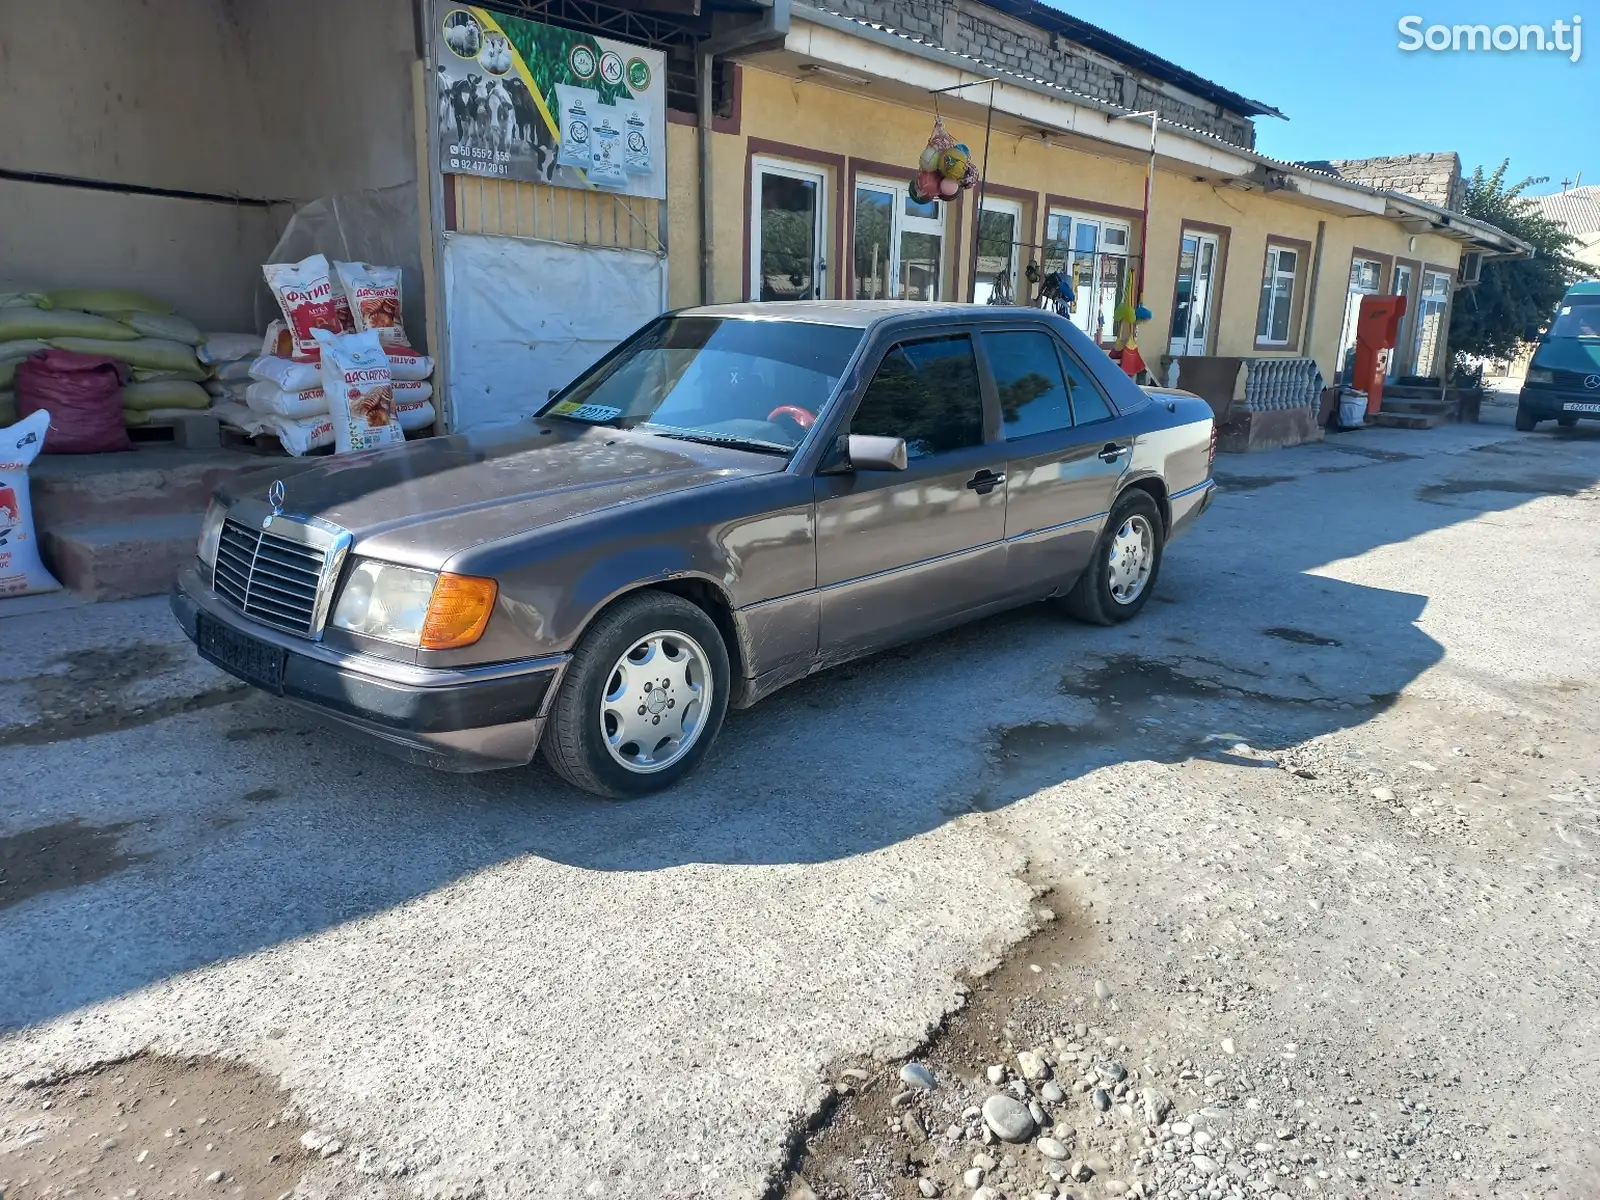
(1398, 361)
(1191, 314)
(786, 236)
(999, 248)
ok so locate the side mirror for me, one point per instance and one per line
(868, 453)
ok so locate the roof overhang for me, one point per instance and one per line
(851, 55)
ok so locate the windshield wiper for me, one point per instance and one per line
(719, 439)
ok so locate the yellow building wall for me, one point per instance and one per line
(842, 125)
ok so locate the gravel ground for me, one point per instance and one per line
(1304, 858)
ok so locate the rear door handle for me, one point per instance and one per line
(1110, 452)
(985, 481)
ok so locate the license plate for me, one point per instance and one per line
(1572, 407)
(255, 661)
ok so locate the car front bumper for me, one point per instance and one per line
(456, 719)
(1548, 404)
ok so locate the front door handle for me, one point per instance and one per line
(985, 481)
(1110, 452)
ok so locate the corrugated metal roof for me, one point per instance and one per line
(1577, 208)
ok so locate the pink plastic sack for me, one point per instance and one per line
(83, 395)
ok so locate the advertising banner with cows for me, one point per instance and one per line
(522, 100)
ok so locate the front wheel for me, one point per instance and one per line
(642, 699)
(1127, 559)
(1525, 420)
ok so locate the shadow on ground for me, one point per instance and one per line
(223, 832)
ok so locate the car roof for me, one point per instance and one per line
(858, 314)
(1589, 287)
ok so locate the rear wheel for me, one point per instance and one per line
(1525, 420)
(1127, 559)
(642, 699)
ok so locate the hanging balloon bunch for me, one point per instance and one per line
(945, 167)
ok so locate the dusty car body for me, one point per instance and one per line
(759, 566)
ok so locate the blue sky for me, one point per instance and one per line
(1335, 70)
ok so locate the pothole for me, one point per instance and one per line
(878, 1134)
(56, 857)
(92, 694)
(151, 1126)
(1533, 485)
(1301, 637)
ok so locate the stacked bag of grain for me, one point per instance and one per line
(227, 358)
(154, 347)
(286, 396)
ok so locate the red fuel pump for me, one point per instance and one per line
(1377, 329)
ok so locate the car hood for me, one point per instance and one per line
(424, 502)
(1581, 356)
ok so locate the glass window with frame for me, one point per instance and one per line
(1027, 376)
(1090, 253)
(925, 391)
(1274, 314)
(897, 244)
(1431, 305)
(1366, 277)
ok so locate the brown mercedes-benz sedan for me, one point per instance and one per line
(735, 497)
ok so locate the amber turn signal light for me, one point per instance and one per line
(458, 611)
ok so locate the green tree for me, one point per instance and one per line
(1488, 320)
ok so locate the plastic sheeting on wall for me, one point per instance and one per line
(523, 317)
(376, 225)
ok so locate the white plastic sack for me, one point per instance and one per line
(305, 294)
(288, 374)
(405, 363)
(269, 398)
(355, 376)
(228, 347)
(21, 572)
(414, 414)
(228, 389)
(237, 369)
(373, 293)
(576, 107)
(301, 435)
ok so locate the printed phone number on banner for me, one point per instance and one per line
(481, 161)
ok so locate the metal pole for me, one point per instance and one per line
(977, 208)
(1149, 193)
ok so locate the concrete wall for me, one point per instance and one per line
(829, 128)
(286, 100)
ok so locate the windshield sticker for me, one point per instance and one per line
(588, 412)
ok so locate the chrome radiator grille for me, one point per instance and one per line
(269, 578)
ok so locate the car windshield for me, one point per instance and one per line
(1577, 317)
(756, 384)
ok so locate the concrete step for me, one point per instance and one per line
(116, 560)
(153, 480)
(1401, 420)
(1410, 405)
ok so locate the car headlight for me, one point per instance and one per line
(410, 607)
(1540, 375)
(211, 533)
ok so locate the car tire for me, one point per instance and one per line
(1525, 420)
(644, 647)
(1567, 422)
(1106, 594)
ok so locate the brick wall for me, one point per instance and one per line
(996, 38)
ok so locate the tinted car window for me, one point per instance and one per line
(1027, 375)
(1577, 317)
(926, 392)
(1089, 403)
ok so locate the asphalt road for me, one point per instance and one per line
(490, 985)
